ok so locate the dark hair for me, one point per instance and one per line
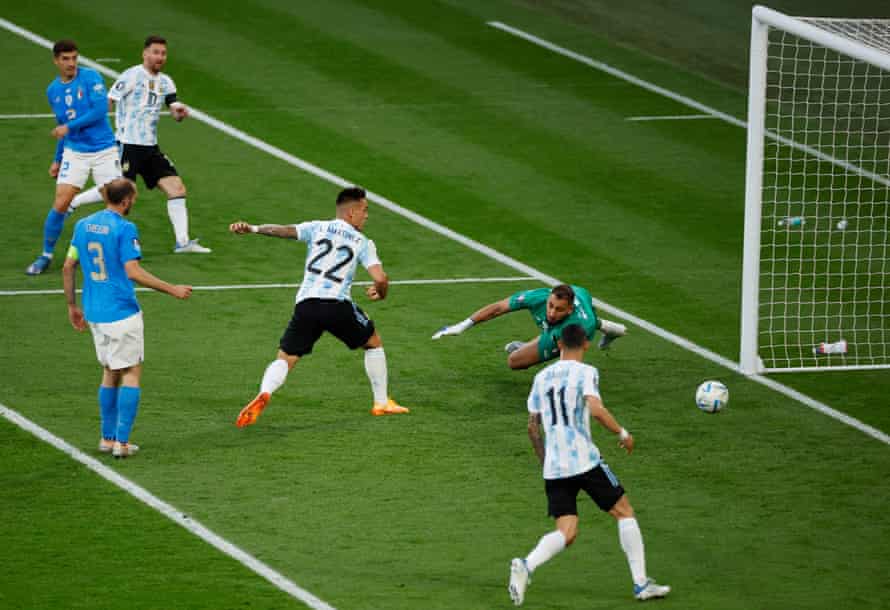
(573, 336)
(154, 40)
(119, 189)
(348, 195)
(564, 292)
(64, 46)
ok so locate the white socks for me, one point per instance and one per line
(612, 329)
(179, 218)
(632, 543)
(88, 196)
(375, 367)
(548, 546)
(274, 376)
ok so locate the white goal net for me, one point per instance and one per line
(816, 287)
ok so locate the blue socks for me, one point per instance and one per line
(127, 405)
(52, 228)
(108, 411)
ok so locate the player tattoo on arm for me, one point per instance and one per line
(534, 435)
(284, 231)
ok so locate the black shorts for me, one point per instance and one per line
(146, 161)
(343, 319)
(600, 484)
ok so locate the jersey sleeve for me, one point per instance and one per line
(368, 256)
(591, 382)
(305, 230)
(526, 299)
(98, 101)
(534, 399)
(130, 248)
(122, 86)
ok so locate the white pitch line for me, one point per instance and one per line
(13, 117)
(491, 252)
(456, 280)
(671, 117)
(168, 510)
(686, 101)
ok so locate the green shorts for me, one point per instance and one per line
(547, 348)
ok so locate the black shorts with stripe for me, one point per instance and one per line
(146, 161)
(343, 319)
(599, 483)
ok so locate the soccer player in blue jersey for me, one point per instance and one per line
(563, 398)
(552, 309)
(86, 143)
(324, 301)
(106, 245)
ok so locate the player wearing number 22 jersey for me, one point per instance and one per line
(324, 303)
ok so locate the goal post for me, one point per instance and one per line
(816, 260)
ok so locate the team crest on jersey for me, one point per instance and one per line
(126, 166)
(79, 93)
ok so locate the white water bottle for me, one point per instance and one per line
(838, 347)
(792, 221)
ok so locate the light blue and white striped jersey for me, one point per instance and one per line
(139, 96)
(335, 249)
(558, 396)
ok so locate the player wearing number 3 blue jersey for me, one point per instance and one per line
(86, 143)
(324, 303)
(106, 246)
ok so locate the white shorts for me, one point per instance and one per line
(121, 344)
(76, 167)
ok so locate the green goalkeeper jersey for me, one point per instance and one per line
(535, 301)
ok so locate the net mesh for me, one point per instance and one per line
(825, 256)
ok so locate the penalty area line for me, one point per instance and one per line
(419, 282)
(168, 510)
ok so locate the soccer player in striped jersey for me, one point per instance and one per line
(324, 302)
(562, 399)
(106, 246)
(86, 142)
(138, 95)
(552, 310)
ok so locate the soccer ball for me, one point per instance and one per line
(711, 396)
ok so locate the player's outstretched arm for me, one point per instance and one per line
(75, 314)
(607, 421)
(485, 314)
(142, 277)
(284, 231)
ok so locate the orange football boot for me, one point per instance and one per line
(390, 408)
(251, 412)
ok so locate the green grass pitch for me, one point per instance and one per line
(767, 505)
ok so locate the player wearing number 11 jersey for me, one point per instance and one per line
(335, 248)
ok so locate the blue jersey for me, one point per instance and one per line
(82, 105)
(103, 242)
